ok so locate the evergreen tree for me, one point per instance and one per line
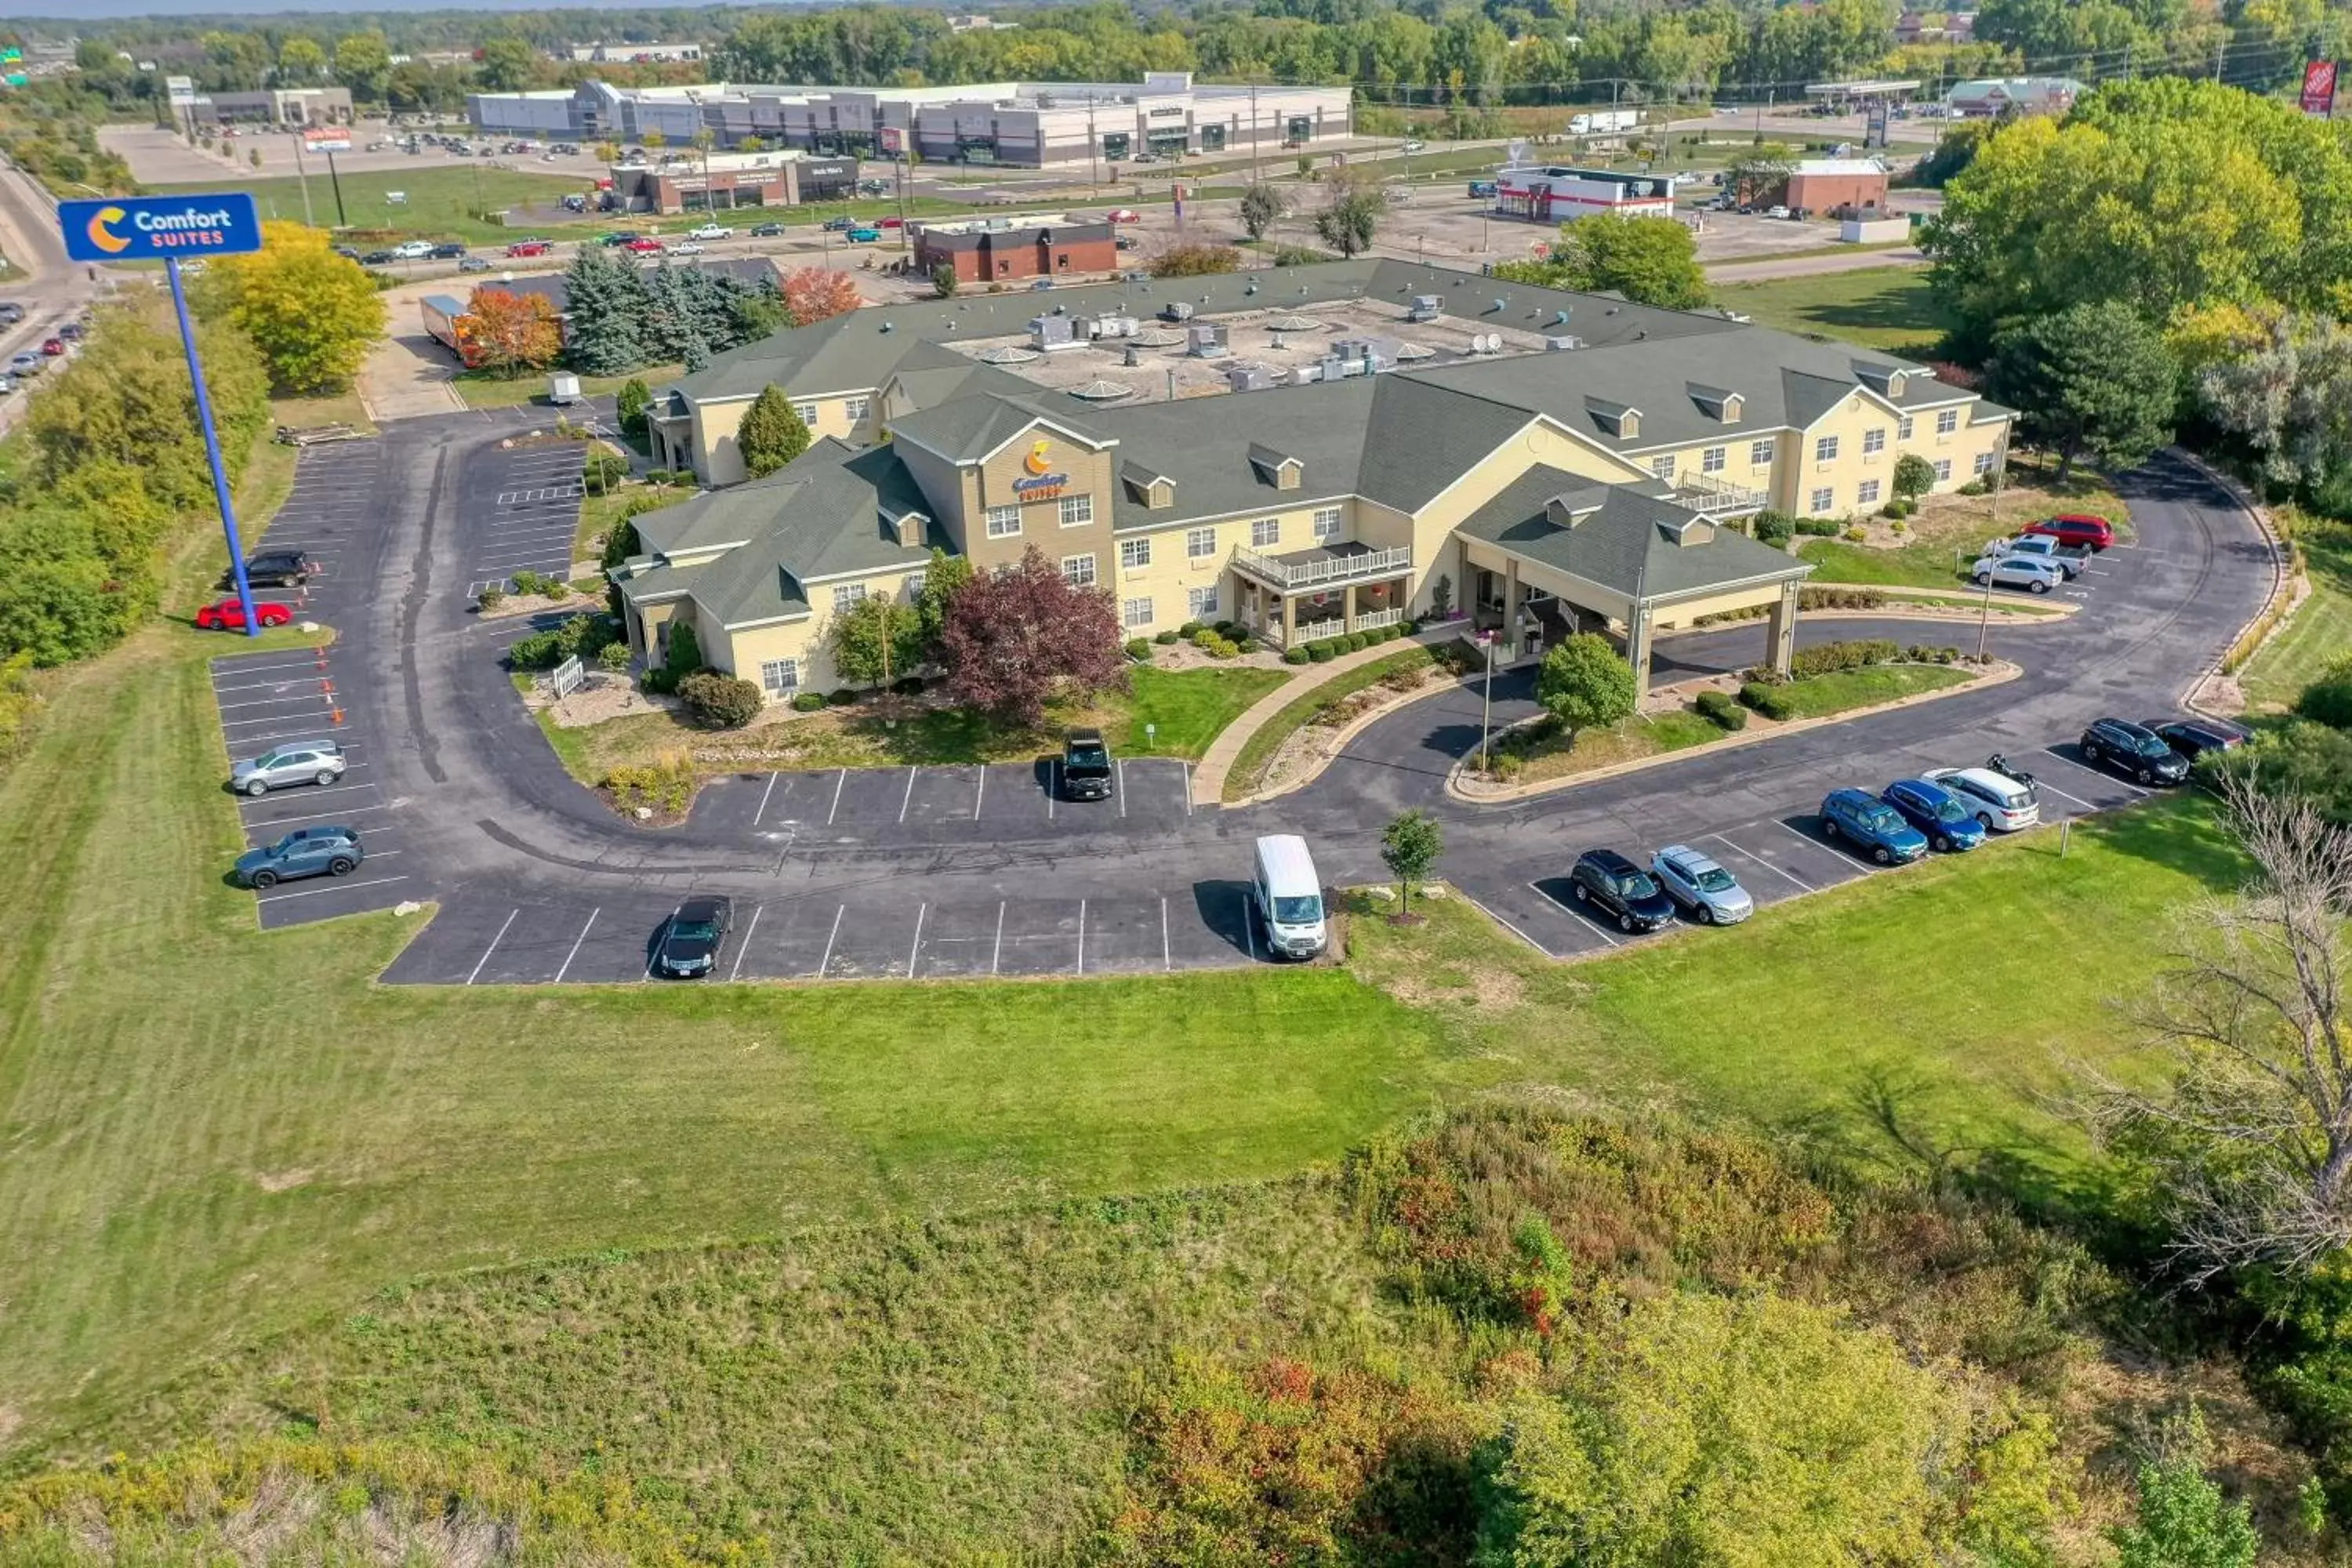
(669, 325)
(606, 299)
(771, 434)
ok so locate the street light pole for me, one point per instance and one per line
(1486, 711)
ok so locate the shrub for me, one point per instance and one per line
(602, 471)
(1319, 651)
(1294, 656)
(2328, 701)
(1816, 527)
(490, 598)
(1508, 766)
(807, 701)
(613, 656)
(1974, 488)
(721, 701)
(1774, 527)
(1206, 638)
(1772, 702)
(1188, 630)
(1840, 599)
(1719, 707)
(1856, 535)
(907, 686)
(1139, 649)
(666, 785)
(1233, 629)
(1166, 639)
(1823, 658)
(656, 476)
(841, 697)
(659, 681)
(1409, 628)
(584, 636)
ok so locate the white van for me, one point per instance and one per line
(1288, 895)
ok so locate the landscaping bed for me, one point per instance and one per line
(1262, 761)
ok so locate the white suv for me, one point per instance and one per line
(413, 250)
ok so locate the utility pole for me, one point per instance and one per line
(1254, 175)
(2000, 472)
(1486, 711)
(303, 174)
(342, 219)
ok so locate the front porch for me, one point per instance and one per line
(1324, 591)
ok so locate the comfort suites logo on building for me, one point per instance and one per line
(1040, 483)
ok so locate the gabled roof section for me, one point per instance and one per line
(972, 429)
(1270, 463)
(1629, 539)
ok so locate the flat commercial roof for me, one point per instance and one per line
(1849, 88)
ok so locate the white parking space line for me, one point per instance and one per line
(307, 697)
(837, 800)
(1121, 768)
(493, 947)
(1249, 931)
(1187, 789)
(763, 800)
(325, 708)
(826, 962)
(316, 817)
(2062, 794)
(310, 792)
(1759, 860)
(978, 791)
(1167, 960)
(1806, 838)
(337, 887)
(914, 948)
(1082, 936)
(744, 947)
(908, 798)
(1053, 786)
(1467, 898)
(240, 668)
(576, 940)
(1571, 908)
(996, 953)
(2097, 773)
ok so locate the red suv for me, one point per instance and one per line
(2076, 528)
(529, 248)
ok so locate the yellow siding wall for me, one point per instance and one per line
(1175, 571)
(716, 460)
(1845, 476)
(742, 652)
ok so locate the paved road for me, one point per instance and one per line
(933, 871)
(1808, 266)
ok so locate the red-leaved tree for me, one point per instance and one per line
(1015, 639)
(815, 294)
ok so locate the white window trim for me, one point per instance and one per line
(1200, 602)
(1867, 493)
(1085, 502)
(1272, 525)
(1126, 617)
(791, 683)
(1079, 579)
(1825, 449)
(1134, 554)
(1713, 459)
(1192, 538)
(997, 513)
(1760, 453)
(1824, 502)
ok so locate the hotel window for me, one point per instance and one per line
(807, 411)
(1265, 530)
(1867, 494)
(1948, 421)
(855, 408)
(1200, 543)
(1825, 449)
(1943, 469)
(1004, 522)
(1760, 453)
(1326, 524)
(1134, 552)
(913, 586)
(1076, 509)
(1663, 468)
(846, 594)
(1135, 613)
(1200, 604)
(1823, 500)
(1078, 571)
(1984, 463)
(1711, 462)
(1874, 440)
(1903, 428)
(778, 676)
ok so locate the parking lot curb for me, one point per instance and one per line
(2003, 673)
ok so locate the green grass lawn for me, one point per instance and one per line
(1890, 308)
(1842, 689)
(1257, 751)
(442, 203)
(1949, 530)
(1544, 754)
(2321, 631)
(488, 389)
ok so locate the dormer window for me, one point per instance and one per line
(1155, 490)
(1722, 406)
(1566, 511)
(1619, 419)
(1886, 380)
(1687, 531)
(1279, 469)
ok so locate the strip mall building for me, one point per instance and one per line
(1598, 483)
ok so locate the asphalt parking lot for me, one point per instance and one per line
(853, 805)
(326, 692)
(521, 512)
(868, 937)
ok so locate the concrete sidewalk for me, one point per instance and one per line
(1209, 772)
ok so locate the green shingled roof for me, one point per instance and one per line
(1627, 542)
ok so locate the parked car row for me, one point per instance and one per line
(2044, 555)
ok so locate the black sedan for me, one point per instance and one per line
(692, 939)
(378, 258)
(2192, 738)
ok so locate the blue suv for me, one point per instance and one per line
(1871, 826)
(1936, 812)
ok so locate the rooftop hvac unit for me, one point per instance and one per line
(1332, 369)
(1425, 309)
(1563, 342)
(1205, 339)
(1249, 378)
(1177, 311)
(1052, 333)
(1351, 349)
(1305, 376)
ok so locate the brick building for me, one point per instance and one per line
(1830, 185)
(729, 180)
(998, 250)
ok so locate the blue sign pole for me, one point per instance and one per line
(213, 451)
(166, 228)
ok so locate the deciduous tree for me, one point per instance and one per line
(1410, 845)
(1582, 683)
(2094, 380)
(1263, 206)
(772, 433)
(943, 580)
(1350, 216)
(364, 64)
(1914, 476)
(1015, 639)
(1195, 261)
(513, 332)
(311, 313)
(876, 641)
(816, 294)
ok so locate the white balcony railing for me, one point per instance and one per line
(1711, 495)
(1290, 575)
(1308, 631)
(1372, 620)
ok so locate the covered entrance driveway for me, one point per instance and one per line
(1555, 554)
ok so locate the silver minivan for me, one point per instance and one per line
(1287, 896)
